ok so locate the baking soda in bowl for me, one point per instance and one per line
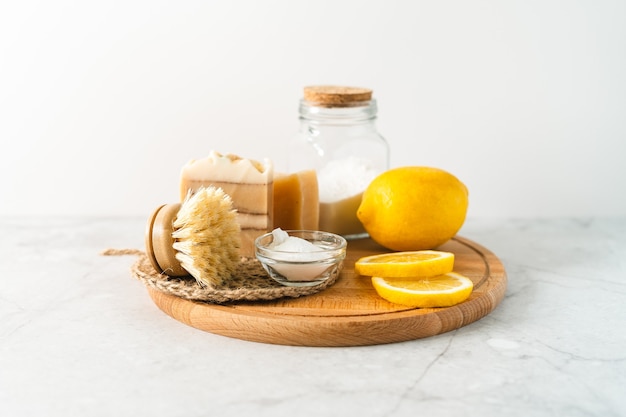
(300, 257)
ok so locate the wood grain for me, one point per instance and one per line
(350, 313)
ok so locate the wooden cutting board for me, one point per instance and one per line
(349, 313)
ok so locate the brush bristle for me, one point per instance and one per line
(207, 236)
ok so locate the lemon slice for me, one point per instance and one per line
(439, 291)
(425, 263)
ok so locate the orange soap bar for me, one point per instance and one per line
(296, 201)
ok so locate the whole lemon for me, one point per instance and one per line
(413, 208)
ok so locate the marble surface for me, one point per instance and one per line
(79, 336)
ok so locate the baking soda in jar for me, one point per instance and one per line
(338, 138)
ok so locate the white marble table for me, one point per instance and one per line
(79, 336)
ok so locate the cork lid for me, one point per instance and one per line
(336, 96)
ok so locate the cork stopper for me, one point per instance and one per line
(159, 241)
(336, 96)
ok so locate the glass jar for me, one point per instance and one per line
(338, 138)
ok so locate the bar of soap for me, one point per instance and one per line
(296, 201)
(249, 184)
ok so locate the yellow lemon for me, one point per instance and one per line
(440, 291)
(426, 263)
(413, 208)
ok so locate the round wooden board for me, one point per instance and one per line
(349, 313)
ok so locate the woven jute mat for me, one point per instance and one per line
(250, 283)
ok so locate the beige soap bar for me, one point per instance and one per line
(249, 183)
(296, 201)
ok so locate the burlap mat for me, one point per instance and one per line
(251, 282)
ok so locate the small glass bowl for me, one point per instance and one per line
(302, 269)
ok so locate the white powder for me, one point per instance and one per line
(291, 250)
(344, 178)
(285, 243)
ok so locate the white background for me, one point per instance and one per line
(101, 103)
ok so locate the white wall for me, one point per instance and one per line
(101, 103)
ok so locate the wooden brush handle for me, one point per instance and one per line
(159, 241)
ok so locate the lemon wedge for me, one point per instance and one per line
(425, 263)
(439, 291)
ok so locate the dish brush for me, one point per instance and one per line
(198, 237)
